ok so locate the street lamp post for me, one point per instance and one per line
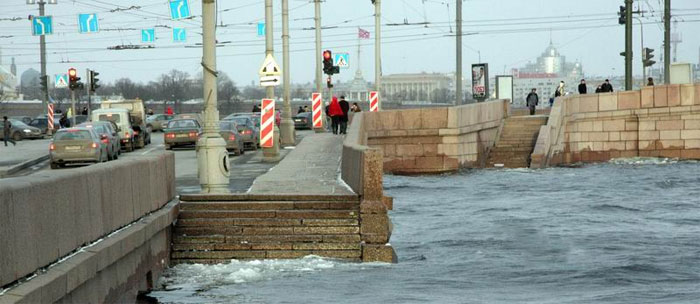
(287, 135)
(212, 157)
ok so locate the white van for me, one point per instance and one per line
(122, 119)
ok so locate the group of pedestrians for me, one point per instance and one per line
(339, 112)
(532, 100)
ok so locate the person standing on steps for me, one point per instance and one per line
(532, 101)
(7, 128)
(582, 89)
(558, 92)
(345, 106)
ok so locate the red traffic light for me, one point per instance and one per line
(72, 72)
(326, 55)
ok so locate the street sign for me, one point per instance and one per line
(341, 60)
(61, 81)
(261, 29)
(267, 128)
(179, 9)
(148, 35)
(373, 101)
(317, 107)
(179, 34)
(87, 23)
(270, 81)
(42, 25)
(270, 67)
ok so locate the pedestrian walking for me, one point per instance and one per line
(582, 89)
(84, 111)
(328, 115)
(558, 92)
(335, 112)
(6, 131)
(607, 87)
(345, 106)
(650, 82)
(532, 101)
(356, 108)
(64, 121)
(169, 110)
(301, 110)
(256, 109)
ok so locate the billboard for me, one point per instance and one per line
(504, 87)
(480, 81)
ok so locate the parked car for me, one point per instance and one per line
(234, 142)
(76, 146)
(42, 122)
(181, 132)
(136, 119)
(303, 121)
(108, 135)
(20, 130)
(250, 134)
(158, 122)
(24, 119)
(195, 116)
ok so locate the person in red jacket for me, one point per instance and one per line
(336, 113)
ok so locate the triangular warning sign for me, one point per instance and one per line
(61, 82)
(341, 62)
(270, 67)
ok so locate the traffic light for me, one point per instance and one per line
(44, 81)
(623, 15)
(93, 81)
(647, 55)
(328, 67)
(73, 79)
(329, 82)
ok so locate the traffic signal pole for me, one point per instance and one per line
(287, 125)
(42, 50)
(89, 93)
(458, 88)
(628, 45)
(212, 157)
(667, 41)
(378, 51)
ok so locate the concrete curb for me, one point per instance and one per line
(23, 165)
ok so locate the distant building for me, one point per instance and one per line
(544, 75)
(357, 90)
(8, 80)
(422, 88)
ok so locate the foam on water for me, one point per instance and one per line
(644, 161)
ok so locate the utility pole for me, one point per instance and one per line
(459, 93)
(270, 154)
(667, 41)
(212, 157)
(287, 125)
(628, 45)
(378, 51)
(317, 26)
(42, 49)
(89, 93)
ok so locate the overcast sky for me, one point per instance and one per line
(507, 33)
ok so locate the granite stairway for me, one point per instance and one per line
(263, 227)
(516, 142)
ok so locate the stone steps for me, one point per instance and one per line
(516, 142)
(215, 232)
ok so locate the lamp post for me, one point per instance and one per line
(212, 157)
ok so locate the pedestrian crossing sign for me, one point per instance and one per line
(61, 81)
(341, 60)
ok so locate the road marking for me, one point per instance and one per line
(149, 151)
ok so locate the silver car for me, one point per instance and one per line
(76, 146)
(108, 135)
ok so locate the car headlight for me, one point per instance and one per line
(27, 131)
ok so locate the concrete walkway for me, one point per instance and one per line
(312, 168)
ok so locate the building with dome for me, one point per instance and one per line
(544, 75)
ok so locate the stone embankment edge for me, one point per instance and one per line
(362, 169)
(96, 273)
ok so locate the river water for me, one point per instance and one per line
(620, 232)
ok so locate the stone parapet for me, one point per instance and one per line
(434, 140)
(660, 121)
(48, 215)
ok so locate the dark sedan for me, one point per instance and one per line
(303, 121)
(182, 132)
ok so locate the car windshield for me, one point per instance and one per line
(99, 129)
(241, 120)
(110, 117)
(227, 125)
(181, 124)
(18, 124)
(72, 135)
